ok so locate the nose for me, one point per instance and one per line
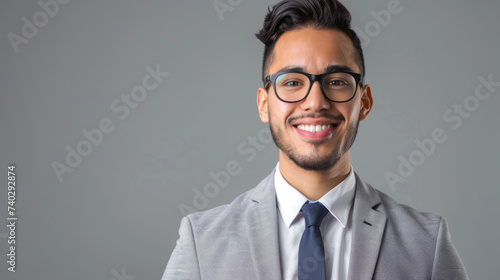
(315, 100)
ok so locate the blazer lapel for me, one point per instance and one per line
(367, 232)
(263, 230)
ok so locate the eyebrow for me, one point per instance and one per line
(329, 68)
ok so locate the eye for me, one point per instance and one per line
(337, 83)
(291, 83)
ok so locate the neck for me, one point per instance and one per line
(314, 184)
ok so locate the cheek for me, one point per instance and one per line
(280, 111)
(350, 110)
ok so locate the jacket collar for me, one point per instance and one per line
(367, 231)
(263, 227)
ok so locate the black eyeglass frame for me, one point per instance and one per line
(312, 78)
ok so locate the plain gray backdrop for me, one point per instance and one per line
(115, 213)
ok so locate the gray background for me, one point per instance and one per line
(116, 215)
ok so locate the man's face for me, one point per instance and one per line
(313, 50)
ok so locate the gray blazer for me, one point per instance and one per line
(240, 240)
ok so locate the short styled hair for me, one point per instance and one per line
(290, 15)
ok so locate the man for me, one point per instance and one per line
(313, 217)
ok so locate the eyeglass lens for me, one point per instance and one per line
(294, 86)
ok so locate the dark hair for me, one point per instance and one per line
(296, 14)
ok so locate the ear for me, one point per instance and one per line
(262, 105)
(366, 102)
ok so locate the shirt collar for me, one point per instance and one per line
(338, 200)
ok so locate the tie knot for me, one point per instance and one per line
(314, 213)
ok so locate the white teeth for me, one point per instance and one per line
(313, 128)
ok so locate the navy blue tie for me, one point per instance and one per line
(311, 250)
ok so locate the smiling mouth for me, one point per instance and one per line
(315, 128)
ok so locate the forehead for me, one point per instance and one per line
(314, 50)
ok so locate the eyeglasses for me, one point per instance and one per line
(294, 86)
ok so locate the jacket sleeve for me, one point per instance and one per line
(183, 263)
(447, 263)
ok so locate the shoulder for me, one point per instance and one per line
(423, 239)
(236, 213)
(398, 211)
(223, 214)
(401, 217)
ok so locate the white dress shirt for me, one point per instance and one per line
(335, 228)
